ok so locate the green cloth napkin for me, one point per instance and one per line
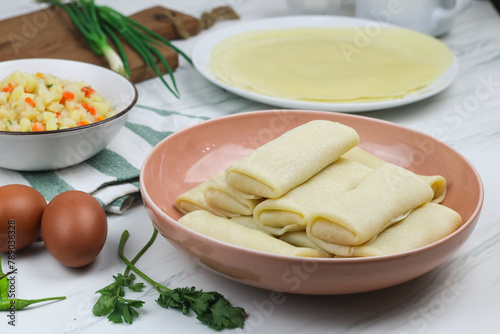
(111, 176)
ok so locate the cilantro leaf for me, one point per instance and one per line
(125, 310)
(176, 298)
(104, 305)
(211, 308)
(112, 303)
(222, 315)
(128, 281)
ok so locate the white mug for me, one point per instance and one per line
(432, 17)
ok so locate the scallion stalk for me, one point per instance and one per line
(84, 16)
(98, 23)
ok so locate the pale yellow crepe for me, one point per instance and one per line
(384, 197)
(228, 199)
(292, 211)
(359, 155)
(280, 230)
(289, 160)
(437, 182)
(194, 199)
(438, 185)
(249, 222)
(424, 225)
(330, 64)
(228, 231)
(300, 239)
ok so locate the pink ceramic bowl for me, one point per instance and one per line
(189, 157)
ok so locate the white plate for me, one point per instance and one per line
(203, 49)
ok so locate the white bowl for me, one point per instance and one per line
(49, 150)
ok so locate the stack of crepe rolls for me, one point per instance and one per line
(313, 192)
(218, 198)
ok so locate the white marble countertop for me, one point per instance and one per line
(461, 296)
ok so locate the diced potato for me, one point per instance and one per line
(45, 95)
(25, 124)
(68, 123)
(38, 97)
(75, 114)
(11, 114)
(102, 108)
(3, 112)
(16, 76)
(15, 96)
(31, 115)
(40, 105)
(47, 115)
(3, 98)
(52, 124)
(31, 83)
(13, 126)
(55, 107)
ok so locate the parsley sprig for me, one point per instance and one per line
(211, 308)
(113, 304)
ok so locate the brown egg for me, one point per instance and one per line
(21, 209)
(74, 228)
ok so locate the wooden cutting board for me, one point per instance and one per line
(50, 33)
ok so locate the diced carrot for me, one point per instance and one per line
(37, 127)
(10, 87)
(81, 123)
(68, 96)
(99, 118)
(30, 101)
(91, 110)
(58, 114)
(40, 75)
(88, 91)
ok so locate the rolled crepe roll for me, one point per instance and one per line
(231, 201)
(228, 231)
(438, 185)
(424, 225)
(296, 206)
(437, 182)
(359, 155)
(300, 239)
(249, 221)
(277, 231)
(194, 199)
(289, 160)
(381, 199)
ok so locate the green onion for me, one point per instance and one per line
(98, 23)
(84, 16)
